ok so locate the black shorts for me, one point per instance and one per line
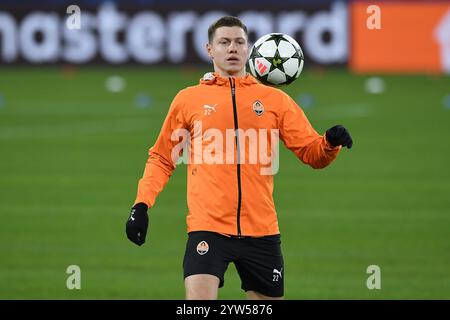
(258, 261)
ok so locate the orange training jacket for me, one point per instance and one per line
(230, 197)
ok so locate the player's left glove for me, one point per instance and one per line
(339, 136)
(137, 224)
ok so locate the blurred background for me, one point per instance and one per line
(83, 97)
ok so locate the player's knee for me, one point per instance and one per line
(201, 287)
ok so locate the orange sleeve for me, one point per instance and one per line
(300, 137)
(161, 163)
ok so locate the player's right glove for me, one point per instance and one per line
(339, 136)
(137, 223)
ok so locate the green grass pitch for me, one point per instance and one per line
(71, 154)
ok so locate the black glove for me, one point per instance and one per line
(339, 136)
(137, 224)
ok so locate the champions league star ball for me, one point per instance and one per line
(276, 59)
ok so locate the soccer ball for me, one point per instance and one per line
(276, 59)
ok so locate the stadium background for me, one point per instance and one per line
(79, 110)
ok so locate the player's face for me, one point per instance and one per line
(229, 51)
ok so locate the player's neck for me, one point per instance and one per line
(240, 74)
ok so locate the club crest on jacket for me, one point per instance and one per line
(258, 107)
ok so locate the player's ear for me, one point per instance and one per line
(208, 50)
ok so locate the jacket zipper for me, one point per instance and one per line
(236, 136)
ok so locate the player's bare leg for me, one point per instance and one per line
(253, 295)
(201, 287)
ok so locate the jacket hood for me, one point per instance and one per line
(213, 78)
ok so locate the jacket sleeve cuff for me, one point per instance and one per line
(328, 145)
